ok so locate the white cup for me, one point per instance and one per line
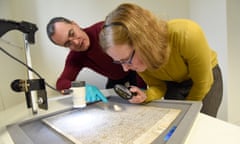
(79, 93)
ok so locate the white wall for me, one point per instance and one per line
(233, 37)
(48, 59)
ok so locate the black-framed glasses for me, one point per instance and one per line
(128, 61)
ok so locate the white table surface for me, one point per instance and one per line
(205, 130)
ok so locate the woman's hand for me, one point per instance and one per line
(140, 96)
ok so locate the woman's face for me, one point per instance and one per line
(126, 56)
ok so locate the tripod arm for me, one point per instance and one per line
(25, 27)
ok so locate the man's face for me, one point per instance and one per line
(70, 36)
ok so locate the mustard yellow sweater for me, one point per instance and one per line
(190, 58)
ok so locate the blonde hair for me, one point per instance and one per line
(130, 24)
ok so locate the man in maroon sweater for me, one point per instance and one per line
(85, 51)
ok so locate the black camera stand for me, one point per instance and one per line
(34, 89)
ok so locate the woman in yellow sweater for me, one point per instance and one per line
(173, 57)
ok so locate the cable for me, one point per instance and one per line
(9, 43)
(31, 69)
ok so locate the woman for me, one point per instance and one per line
(173, 57)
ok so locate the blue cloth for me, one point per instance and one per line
(93, 94)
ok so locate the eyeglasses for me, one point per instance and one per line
(128, 61)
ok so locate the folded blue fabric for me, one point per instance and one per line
(93, 94)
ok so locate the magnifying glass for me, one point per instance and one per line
(124, 91)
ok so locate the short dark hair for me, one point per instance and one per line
(50, 25)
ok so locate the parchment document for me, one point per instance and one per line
(135, 124)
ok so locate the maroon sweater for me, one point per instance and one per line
(94, 58)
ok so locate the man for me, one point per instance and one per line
(85, 51)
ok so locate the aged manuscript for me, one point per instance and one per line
(134, 124)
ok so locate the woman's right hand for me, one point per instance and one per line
(140, 96)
